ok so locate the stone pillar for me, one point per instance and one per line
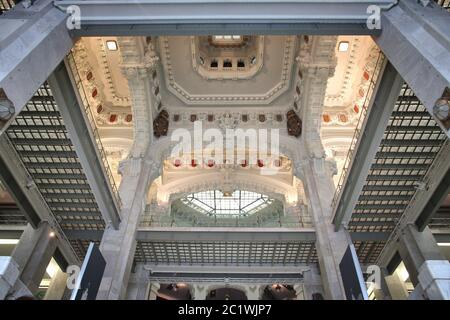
(153, 290)
(138, 287)
(200, 292)
(425, 263)
(33, 254)
(417, 294)
(312, 283)
(118, 246)
(299, 291)
(9, 274)
(396, 287)
(330, 245)
(138, 62)
(253, 292)
(382, 292)
(58, 286)
(138, 290)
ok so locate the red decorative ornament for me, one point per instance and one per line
(99, 108)
(177, 163)
(366, 75)
(356, 108)
(129, 117)
(112, 118)
(211, 163)
(193, 163)
(244, 163)
(89, 75)
(343, 118)
(361, 92)
(94, 93)
(260, 163)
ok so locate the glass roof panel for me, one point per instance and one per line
(216, 203)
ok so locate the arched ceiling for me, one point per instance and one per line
(183, 90)
(176, 184)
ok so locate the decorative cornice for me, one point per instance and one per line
(137, 70)
(266, 98)
(349, 115)
(317, 63)
(90, 82)
(246, 72)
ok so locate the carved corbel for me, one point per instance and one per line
(325, 166)
(331, 166)
(155, 168)
(151, 59)
(299, 170)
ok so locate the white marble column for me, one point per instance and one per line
(200, 291)
(425, 263)
(382, 292)
(330, 245)
(139, 285)
(57, 287)
(299, 291)
(33, 254)
(138, 62)
(312, 283)
(253, 292)
(118, 246)
(9, 275)
(153, 290)
(396, 287)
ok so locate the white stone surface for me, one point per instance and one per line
(434, 276)
(9, 273)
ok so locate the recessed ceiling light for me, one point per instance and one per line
(9, 241)
(443, 244)
(111, 45)
(343, 46)
(51, 234)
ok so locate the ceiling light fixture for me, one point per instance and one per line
(9, 241)
(343, 46)
(443, 244)
(111, 45)
(51, 234)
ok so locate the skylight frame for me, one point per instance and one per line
(240, 204)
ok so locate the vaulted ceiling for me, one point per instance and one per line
(186, 83)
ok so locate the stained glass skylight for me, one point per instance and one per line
(216, 203)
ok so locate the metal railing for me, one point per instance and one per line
(91, 119)
(358, 130)
(150, 219)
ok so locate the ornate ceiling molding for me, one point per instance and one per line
(201, 61)
(229, 99)
(344, 115)
(137, 62)
(273, 187)
(290, 147)
(109, 108)
(317, 62)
